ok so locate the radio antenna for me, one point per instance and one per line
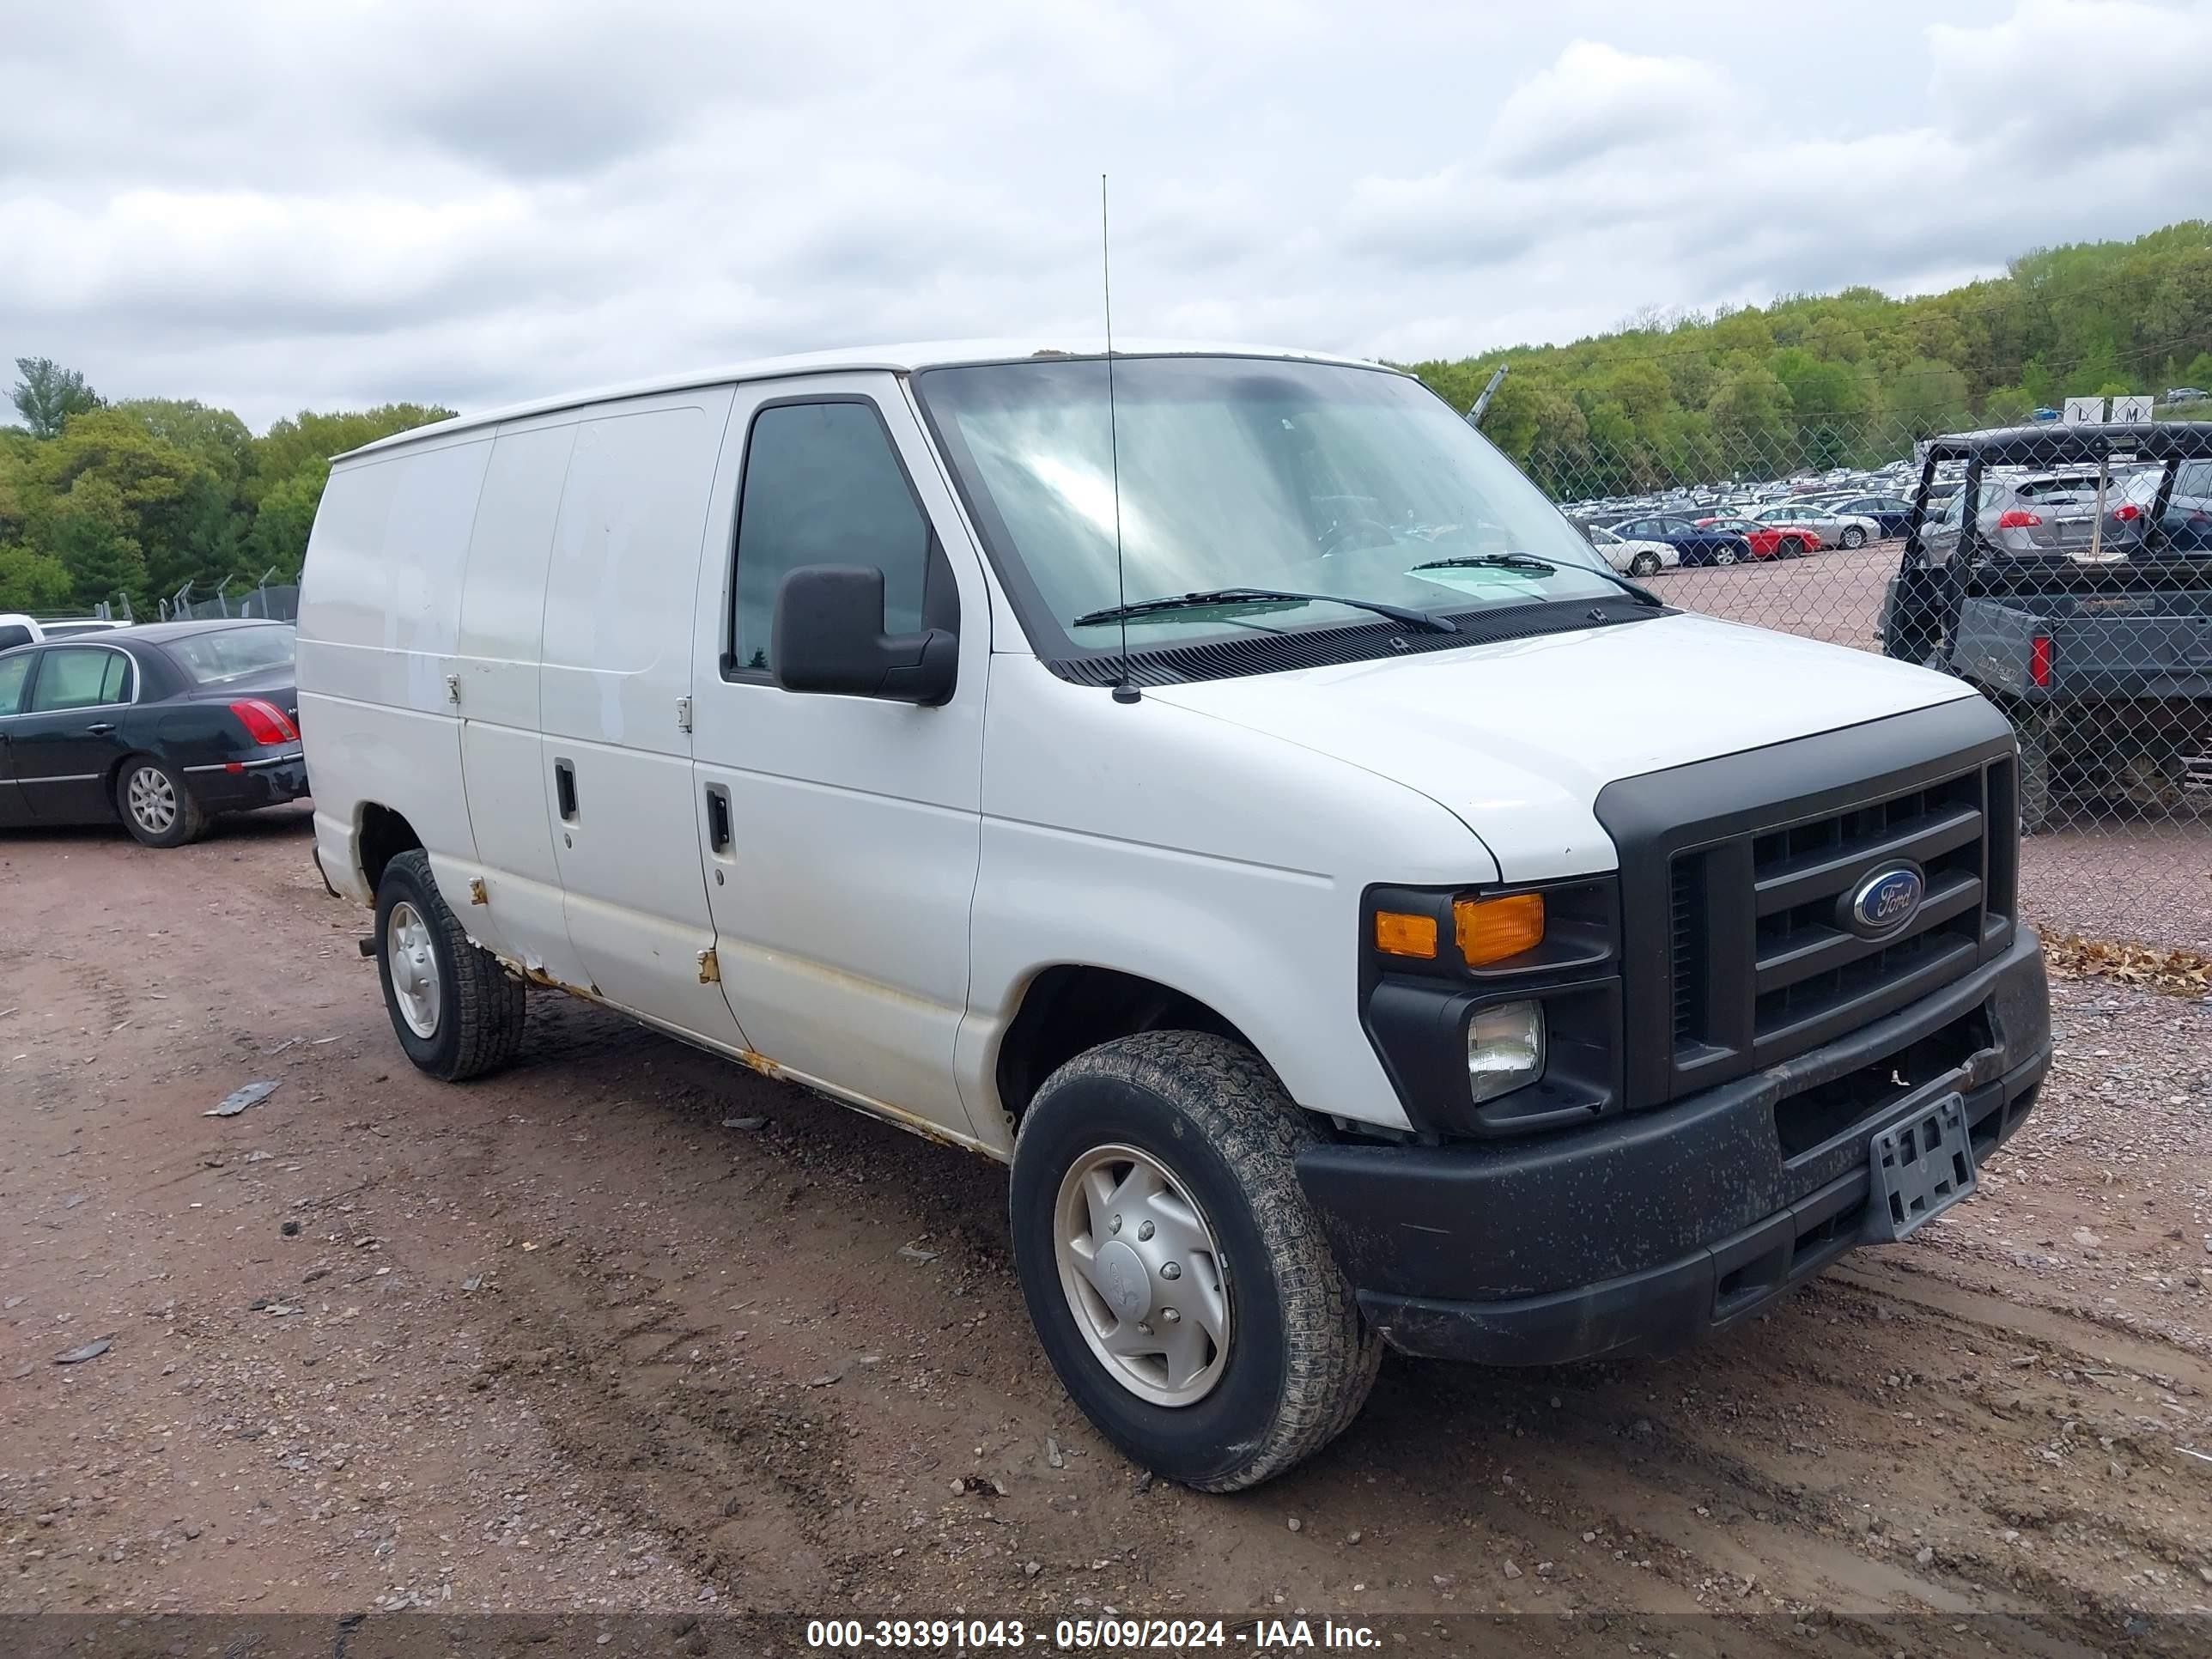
(1125, 690)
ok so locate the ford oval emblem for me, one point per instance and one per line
(1884, 899)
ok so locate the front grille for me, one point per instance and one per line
(1734, 956)
(1762, 965)
(1806, 965)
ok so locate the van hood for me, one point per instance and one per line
(1517, 738)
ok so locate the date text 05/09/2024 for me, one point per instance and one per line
(1103, 1635)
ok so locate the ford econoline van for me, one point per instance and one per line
(1217, 784)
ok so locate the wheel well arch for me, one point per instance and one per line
(1073, 1006)
(383, 835)
(112, 784)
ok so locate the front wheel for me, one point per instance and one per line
(1853, 537)
(456, 1012)
(1643, 564)
(1724, 556)
(1176, 1275)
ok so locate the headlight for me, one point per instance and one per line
(1505, 1049)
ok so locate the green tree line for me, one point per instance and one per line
(104, 501)
(1848, 378)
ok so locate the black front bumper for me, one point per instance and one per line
(1638, 1234)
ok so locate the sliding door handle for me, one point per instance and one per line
(564, 787)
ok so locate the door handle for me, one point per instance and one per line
(718, 817)
(100, 728)
(564, 786)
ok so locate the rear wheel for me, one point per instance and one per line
(456, 1012)
(1725, 555)
(1795, 547)
(1853, 536)
(1643, 564)
(1178, 1279)
(157, 806)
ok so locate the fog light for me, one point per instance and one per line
(1505, 1049)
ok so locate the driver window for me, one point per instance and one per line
(824, 486)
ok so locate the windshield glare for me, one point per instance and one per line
(1242, 473)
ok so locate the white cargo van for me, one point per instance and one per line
(1223, 788)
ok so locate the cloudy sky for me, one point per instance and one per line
(279, 204)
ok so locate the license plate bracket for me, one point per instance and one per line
(1918, 1168)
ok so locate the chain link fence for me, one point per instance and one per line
(2063, 568)
(279, 600)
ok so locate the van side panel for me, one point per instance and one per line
(502, 757)
(617, 662)
(380, 615)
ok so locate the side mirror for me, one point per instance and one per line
(829, 636)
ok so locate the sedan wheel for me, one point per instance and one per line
(1853, 536)
(153, 801)
(1643, 564)
(1724, 556)
(155, 806)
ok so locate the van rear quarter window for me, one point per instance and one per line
(824, 486)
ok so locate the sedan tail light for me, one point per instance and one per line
(2017, 518)
(265, 722)
(2128, 513)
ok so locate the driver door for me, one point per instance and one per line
(840, 836)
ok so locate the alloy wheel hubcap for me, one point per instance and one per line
(153, 800)
(1142, 1272)
(414, 969)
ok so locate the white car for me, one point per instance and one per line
(1633, 558)
(18, 629)
(1287, 888)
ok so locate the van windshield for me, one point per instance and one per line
(1313, 478)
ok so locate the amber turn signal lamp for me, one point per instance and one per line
(1490, 930)
(1398, 934)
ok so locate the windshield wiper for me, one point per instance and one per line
(1534, 566)
(1214, 596)
(1491, 561)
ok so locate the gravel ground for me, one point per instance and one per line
(628, 1328)
(2102, 875)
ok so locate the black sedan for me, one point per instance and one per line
(162, 726)
(1696, 545)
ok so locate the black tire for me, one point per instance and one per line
(142, 785)
(1300, 1359)
(1853, 537)
(481, 1007)
(1796, 547)
(1725, 555)
(1643, 564)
